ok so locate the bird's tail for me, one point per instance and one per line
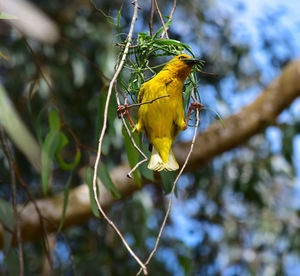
(157, 164)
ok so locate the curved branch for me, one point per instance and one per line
(212, 142)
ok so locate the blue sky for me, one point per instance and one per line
(246, 30)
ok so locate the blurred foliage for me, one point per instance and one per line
(238, 215)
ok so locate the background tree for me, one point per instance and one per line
(236, 209)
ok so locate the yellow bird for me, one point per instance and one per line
(163, 119)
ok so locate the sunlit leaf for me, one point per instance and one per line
(63, 141)
(118, 23)
(17, 130)
(54, 120)
(48, 150)
(7, 16)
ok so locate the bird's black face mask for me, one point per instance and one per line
(191, 61)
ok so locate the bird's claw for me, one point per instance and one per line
(195, 105)
(122, 109)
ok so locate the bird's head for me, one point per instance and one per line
(181, 65)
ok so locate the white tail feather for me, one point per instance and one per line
(156, 163)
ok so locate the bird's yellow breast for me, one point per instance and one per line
(163, 119)
(159, 118)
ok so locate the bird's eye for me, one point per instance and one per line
(182, 57)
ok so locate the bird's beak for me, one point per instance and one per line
(192, 61)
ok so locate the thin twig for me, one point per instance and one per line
(207, 73)
(173, 189)
(170, 18)
(41, 218)
(122, 45)
(136, 147)
(148, 102)
(151, 18)
(111, 84)
(104, 79)
(161, 18)
(193, 96)
(40, 69)
(129, 134)
(14, 191)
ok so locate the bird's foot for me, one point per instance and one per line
(194, 106)
(123, 109)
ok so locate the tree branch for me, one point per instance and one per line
(78, 209)
(212, 142)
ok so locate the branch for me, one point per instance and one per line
(170, 19)
(14, 193)
(212, 142)
(148, 102)
(151, 18)
(161, 19)
(78, 209)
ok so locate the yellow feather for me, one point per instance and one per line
(163, 119)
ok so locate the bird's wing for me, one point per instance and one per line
(141, 94)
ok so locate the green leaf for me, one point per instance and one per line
(63, 141)
(106, 180)
(168, 179)
(38, 125)
(54, 120)
(160, 30)
(48, 150)
(146, 173)
(7, 16)
(7, 218)
(89, 182)
(12, 262)
(17, 130)
(118, 23)
(6, 214)
(133, 155)
(66, 199)
(185, 262)
(171, 42)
